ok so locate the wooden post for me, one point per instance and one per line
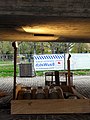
(14, 44)
(68, 65)
(57, 78)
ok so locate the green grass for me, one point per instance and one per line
(6, 62)
(39, 73)
(81, 72)
(75, 72)
(8, 70)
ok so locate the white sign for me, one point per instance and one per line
(49, 62)
(56, 61)
(80, 61)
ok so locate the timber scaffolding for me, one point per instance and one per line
(55, 20)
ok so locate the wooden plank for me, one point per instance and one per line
(18, 87)
(78, 94)
(50, 106)
(67, 88)
(57, 82)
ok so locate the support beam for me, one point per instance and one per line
(14, 44)
(68, 65)
(57, 78)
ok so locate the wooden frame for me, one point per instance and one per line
(52, 75)
(55, 106)
(51, 106)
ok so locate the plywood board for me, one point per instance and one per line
(53, 106)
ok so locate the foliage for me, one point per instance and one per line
(25, 47)
(6, 47)
(81, 48)
(44, 47)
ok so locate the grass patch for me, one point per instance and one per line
(81, 72)
(75, 72)
(7, 71)
(39, 73)
(6, 62)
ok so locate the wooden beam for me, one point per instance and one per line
(57, 82)
(14, 44)
(77, 94)
(68, 63)
(54, 106)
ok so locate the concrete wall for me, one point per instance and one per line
(63, 8)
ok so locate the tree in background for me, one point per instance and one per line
(44, 47)
(81, 48)
(6, 47)
(60, 47)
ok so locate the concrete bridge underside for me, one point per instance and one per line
(45, 20)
